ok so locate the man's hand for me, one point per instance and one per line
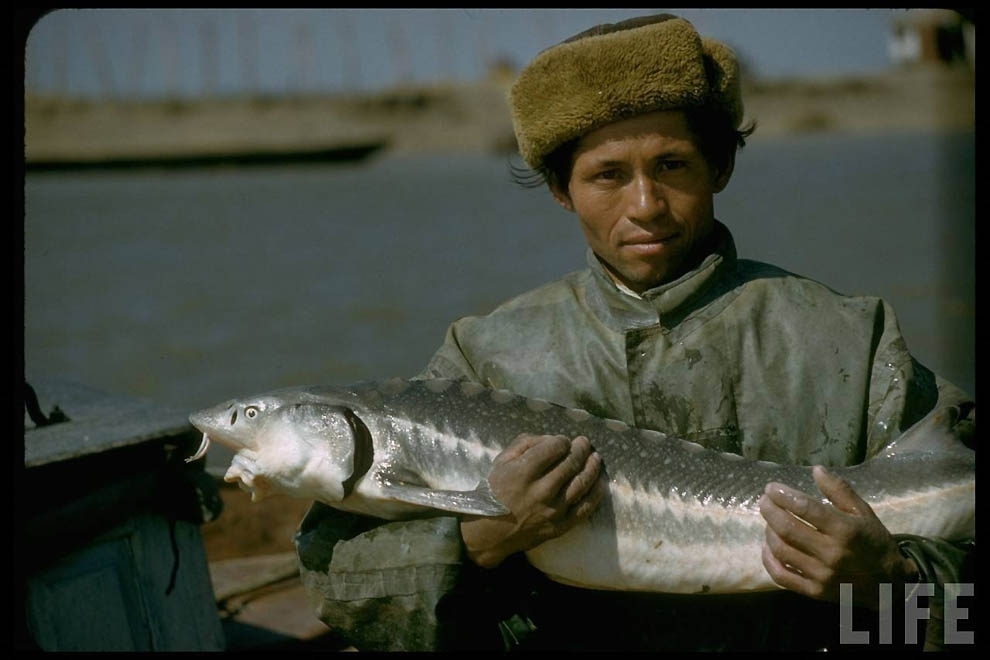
(549, 483)
(812, 547)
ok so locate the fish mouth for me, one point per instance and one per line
(240, 471)
(207, 440)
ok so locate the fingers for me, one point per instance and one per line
(793, 559)
(568, 481)
(789, 515)
(548, 448)
(812, 546)
(549, 483)
(586, 506)
(787, 501)
(787, 575)
(585, 480)
(582, 492)
(792, 549)
(561, 476)
(552, 476)
(555, 461)
(839, 492)
(827, 518)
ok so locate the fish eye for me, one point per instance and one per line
(251, 412)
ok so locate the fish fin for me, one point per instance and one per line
(336, 432)
(479, 502)
(935, 431)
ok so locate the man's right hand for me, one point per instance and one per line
(549, 483)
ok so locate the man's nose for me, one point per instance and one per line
(646, 199)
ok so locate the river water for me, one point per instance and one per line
(193, 286)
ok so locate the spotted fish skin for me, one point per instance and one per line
(677, 517)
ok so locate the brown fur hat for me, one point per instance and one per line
(616, 71)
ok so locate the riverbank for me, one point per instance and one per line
(445, 117)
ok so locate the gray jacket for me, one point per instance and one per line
(737, 355)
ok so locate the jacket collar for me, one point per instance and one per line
(665, 303)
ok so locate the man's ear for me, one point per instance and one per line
(561, 196)
(722, 176)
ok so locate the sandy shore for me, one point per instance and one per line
(455, 117)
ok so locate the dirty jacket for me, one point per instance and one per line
(737, 355)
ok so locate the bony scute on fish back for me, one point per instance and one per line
(409, 448)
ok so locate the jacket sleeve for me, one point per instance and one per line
(450, 362)
(395, 586)
(941, 562)
(377, 584)
(903, 391)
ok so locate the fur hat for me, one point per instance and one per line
(616, 71)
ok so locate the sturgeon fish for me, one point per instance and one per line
(677, 517)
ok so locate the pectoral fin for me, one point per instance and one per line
(479, 502)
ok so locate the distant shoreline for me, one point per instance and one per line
(62, 134)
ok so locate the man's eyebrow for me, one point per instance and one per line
(605, 161)
(674, 151)
(666, 153)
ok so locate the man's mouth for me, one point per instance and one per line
(650, 240)
(649, 243)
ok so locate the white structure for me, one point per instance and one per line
(932, 36)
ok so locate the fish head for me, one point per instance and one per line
(288, 443)
(236, 423)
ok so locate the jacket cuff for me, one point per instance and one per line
(939, 563)
(375, 583)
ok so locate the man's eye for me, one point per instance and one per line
(608, 175)
(668, 165)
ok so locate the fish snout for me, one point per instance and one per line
(209, 422)
(196, 420)
(200, 420)
(217, 421)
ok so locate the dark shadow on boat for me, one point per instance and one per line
(341, 154)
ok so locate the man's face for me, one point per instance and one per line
(643, 193)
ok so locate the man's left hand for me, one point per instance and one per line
(812, 547)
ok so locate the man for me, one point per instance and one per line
(634, 128)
